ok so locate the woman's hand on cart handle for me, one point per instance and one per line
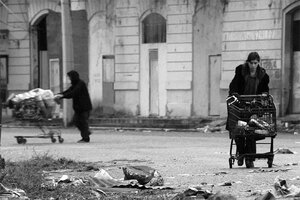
(58, 96)
(231, 101)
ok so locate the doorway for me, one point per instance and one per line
(153, 78)
(40, 71)
(108, 63)
(3, 77)
(295, 69)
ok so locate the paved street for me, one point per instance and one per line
(183, 158)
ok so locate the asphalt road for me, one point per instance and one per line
(184, 159)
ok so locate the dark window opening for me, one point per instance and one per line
(296, 35)
(154, 29)
(42, 35)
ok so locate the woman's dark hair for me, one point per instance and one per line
(253, 56)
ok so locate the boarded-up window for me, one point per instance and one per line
(154, 29)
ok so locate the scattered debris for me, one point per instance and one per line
(219, 196)
(193, 192)
(144, 175)
(6, 193)
(64, 179)
(260, 170)
(220, 173)
(225, 184)
(282, 189)
(102, 180)
(266, 196)
(283, 151)
(291, 164)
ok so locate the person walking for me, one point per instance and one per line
(82, 105)
(249, 79)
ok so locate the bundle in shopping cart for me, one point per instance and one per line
(34, 104)
(251, 112)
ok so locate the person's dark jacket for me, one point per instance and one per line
(79, 93)
(237, 84)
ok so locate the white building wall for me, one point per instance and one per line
(19, 57)
(179, 57)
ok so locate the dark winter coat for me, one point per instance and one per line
(79, 93)
(237, 84)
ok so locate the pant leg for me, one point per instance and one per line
(240, 145)
(251, 146)
(83, 125)
(77, 123)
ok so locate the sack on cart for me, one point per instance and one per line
(34, 104)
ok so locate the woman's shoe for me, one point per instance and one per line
(240, 161)
(249, 164)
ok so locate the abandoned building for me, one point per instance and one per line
(150, 57)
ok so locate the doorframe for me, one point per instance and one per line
(144, 70)
(145, 78)
(286, 53)
(209, 83)
(6, 58)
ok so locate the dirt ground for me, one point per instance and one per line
(184, 159)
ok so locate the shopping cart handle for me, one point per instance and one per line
(234, 99)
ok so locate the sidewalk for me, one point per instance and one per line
(289, 123)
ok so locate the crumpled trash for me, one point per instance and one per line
(281, 188)
(8, 193)
(193, 191)
(51, 184)
(144, 175)
(220, 195)
(267, 196)
(65, 179)
(102, 180)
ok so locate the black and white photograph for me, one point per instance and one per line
(149, 99)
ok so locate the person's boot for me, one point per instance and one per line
(249, 163)
(240, 161)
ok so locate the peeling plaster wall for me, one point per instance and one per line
(101, 42)
(123, 26)
(207, 38)
(19, 54)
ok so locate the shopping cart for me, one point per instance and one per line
(34, 110)
(251, 116)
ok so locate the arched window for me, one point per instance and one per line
(154, 29)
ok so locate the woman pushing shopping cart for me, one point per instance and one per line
(251, 113)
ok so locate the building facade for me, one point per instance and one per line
(170, 58)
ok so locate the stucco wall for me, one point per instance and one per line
(19, 57)
(124, 26)
(207, 30)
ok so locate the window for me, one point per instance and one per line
(154, 29)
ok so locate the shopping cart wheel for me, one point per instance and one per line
(230, 160)
(60, 139)
(53, 140)
(270, 162)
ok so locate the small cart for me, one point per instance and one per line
(240, 111)
(34, 111)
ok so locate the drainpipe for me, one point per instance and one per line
(67, 56)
